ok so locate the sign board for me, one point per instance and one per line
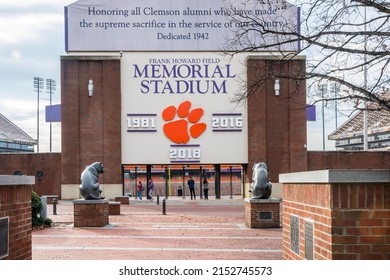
(309, 240)
(265, 215)
(4, 237)
(177, 25)
(177, 108)
(294, 234)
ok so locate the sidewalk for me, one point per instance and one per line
(191, 229)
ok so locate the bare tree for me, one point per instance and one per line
(346, 44)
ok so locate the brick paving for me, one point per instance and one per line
(190, 230)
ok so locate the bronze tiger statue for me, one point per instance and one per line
(89, 188)
(261, 187)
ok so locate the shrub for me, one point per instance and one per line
(36, 207)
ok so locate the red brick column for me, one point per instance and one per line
(15, 217)
(91, 125)
(346, 211)
(276, 123)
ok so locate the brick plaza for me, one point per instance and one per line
(190, 230)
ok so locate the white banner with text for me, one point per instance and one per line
(178, 25)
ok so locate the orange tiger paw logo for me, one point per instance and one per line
(177, 130)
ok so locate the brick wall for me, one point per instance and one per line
(361, 221)
(348, 160)
(312, 202)
(91, 126)
(350, 220)
(28, 164)
(15, 203)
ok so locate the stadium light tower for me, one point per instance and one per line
(365, 113)
(323, 88)
(38, 87)
(50, 87)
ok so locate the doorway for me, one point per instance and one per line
(171, 180)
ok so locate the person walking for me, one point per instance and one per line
(140, 189)
(206, 188)
(151, 189)
(191, 186)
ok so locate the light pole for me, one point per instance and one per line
(335, 88)
(50, 87)
(365, 113)
(38, 87)
(323, 88)
(231, 182)
(184, 187)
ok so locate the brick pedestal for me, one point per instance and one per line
(114, 208)
(122, 199)
(336, 215)
(91, 213)
(15, 217)
(262, 213)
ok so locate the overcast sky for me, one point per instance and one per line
(31, 43)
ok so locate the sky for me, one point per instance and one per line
(31, 44)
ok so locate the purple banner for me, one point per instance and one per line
(311, 113)
(53, 113)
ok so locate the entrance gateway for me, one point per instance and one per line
(171, 180)
(147, 88)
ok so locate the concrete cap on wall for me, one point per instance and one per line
(6, 180)
(90, 201)
(338, 176)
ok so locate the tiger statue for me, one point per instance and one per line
(89, 188)
(261, 186)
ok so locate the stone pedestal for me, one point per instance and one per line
(91, 213)
(262, 213)
(122, 199)
(114, 208)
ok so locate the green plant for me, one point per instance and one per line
(36, 207)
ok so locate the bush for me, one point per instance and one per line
(36, 207)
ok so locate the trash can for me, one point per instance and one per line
(179, 191)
